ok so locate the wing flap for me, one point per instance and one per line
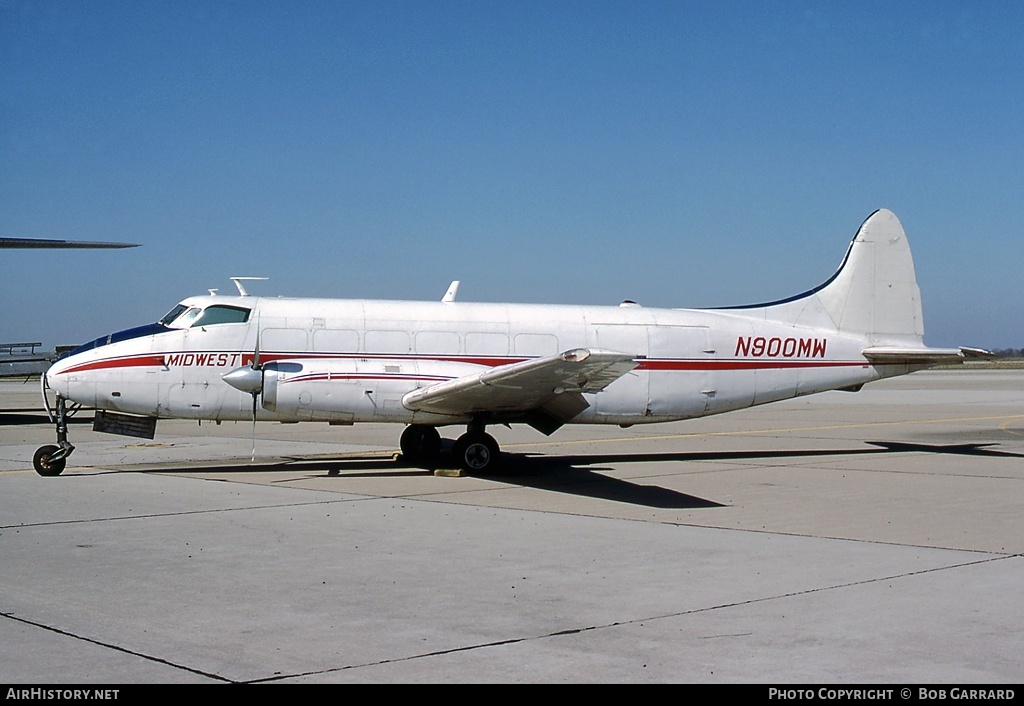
(524, 386)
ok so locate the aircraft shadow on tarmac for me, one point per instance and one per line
(16, 418)
(581, 474)
(540, 472)
(955, 449)
(576, 474)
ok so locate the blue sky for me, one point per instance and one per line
(682, 154)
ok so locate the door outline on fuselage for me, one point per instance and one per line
(672, 382)
(680, 379)
(629, 394)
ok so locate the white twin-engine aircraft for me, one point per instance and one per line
(434, 364)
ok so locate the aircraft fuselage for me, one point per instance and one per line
(354, 360)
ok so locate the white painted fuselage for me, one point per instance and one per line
(431, 364)
(355, 360)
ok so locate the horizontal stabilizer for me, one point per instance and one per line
(924, 356)
(523, 386)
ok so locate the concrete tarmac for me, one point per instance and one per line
(845, 538)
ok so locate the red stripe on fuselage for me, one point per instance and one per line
(212, 359)
(732, 364)
(138, 361)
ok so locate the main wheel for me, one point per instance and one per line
(420, 443)
(42, 463)
(477, 453)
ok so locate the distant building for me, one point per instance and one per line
(24, 359)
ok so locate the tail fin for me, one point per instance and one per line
(873, 294)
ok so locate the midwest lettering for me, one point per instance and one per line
(204, 359)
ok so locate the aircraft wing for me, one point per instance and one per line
(552, 384)
(46, 243)
(924, 356)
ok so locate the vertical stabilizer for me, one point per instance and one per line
(875, 291)
(873, 294)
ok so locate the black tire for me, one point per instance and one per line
(42, 463)
(477, 453)
(420, 443)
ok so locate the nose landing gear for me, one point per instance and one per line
(51, 459)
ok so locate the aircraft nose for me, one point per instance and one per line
(55, 381)
(59, 375)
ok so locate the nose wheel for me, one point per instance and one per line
(50, 460)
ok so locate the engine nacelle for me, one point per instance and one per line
(354, 389)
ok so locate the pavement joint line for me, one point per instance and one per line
(184, 513)
(631, 621)
(112, 646)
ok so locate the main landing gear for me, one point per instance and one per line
(51, 459)
(475, 451)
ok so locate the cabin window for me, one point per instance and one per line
(395, 342)
(486, 344)
(437, 342)
(218, 314)
(329, 340)
(535, 344)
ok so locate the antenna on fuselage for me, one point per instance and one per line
(453, 289)
(238, 283)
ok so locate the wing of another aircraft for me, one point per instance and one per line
(552, 384)
(47, 243)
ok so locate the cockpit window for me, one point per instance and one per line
(184, 316)
(172, 314)
(218, 314)
(180, 316)
(186, 319)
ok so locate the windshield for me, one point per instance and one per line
(184, 316)
(172, 314)
(218, 314)
(180, 316)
